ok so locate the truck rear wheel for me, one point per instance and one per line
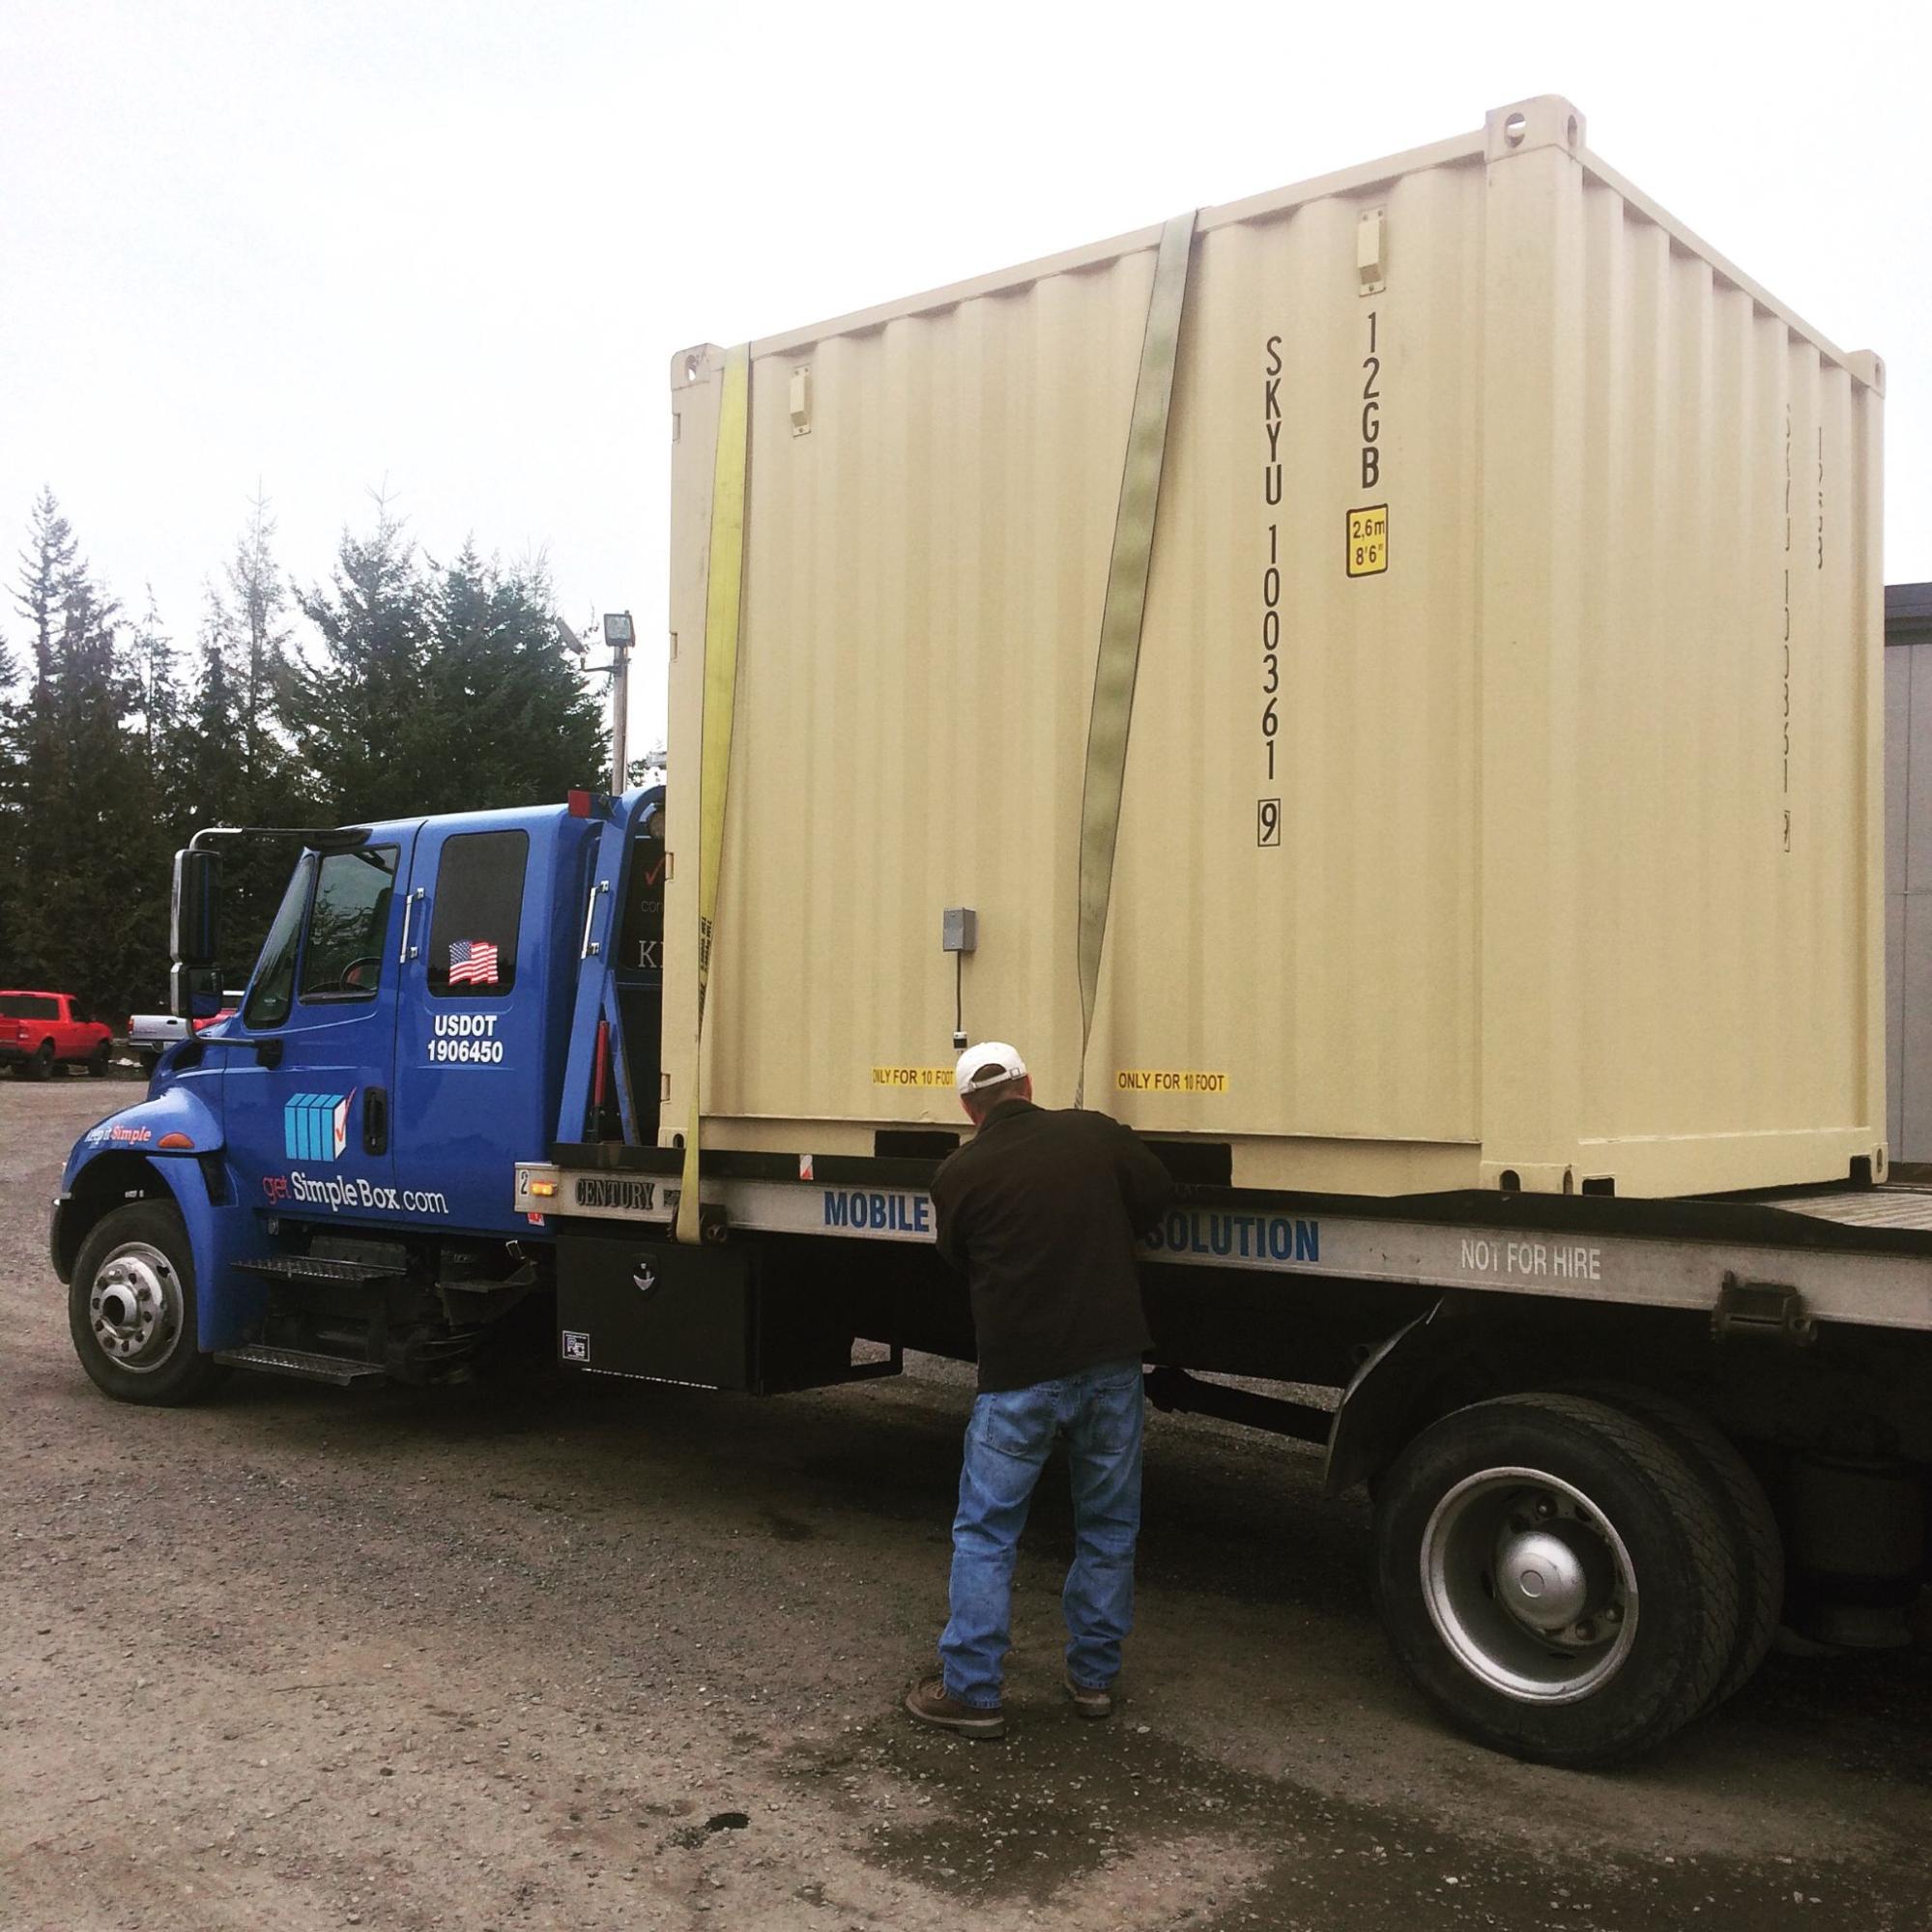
(131, 1309)
(1556, 1577)
(1757, 1548)
(39, 1064)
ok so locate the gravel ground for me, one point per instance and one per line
(608, 1655)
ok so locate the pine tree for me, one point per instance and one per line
(438, 690)
(210, 751)
(155, 667)
(516, 724)
(83, 882)
(255, 618)
(357, 713)
(10, 800)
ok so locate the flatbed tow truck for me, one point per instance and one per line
(1612, 1441)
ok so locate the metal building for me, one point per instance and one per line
(1908, 870)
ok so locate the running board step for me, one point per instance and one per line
(301, 1363)
(316, 1268)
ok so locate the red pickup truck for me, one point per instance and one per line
(38, 1030)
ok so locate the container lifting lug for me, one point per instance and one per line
(1762, 1311)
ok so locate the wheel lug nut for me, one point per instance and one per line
(1544, 1509)
(1586, 1632)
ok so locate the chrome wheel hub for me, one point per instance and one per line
(1529, 1585)
(134, 1308)
(1540, 1579)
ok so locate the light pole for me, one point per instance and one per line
(619, 635)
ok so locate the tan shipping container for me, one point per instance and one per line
(1502, 799)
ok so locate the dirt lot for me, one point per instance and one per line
(603, 1656)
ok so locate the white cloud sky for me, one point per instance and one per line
(449, 248)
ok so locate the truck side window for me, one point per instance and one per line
(479, 912)
(348, 925)
(274, 990)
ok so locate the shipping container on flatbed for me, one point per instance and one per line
(1502, 799)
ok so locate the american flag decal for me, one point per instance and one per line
(473, 961)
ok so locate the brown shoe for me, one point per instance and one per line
(1089, 1700)
(929, 1703)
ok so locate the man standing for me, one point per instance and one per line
(1042, 1211)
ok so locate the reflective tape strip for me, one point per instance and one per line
(1119, 656)
(724, 583)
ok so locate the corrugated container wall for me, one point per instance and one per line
(1503, 792)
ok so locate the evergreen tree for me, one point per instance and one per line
(83, 878)
(253, 620)
(438, 690)
(10, 799)
(243, 770)
(357, 715)
(432, 690)
(514, 721)
(155, 667)
(209, 753)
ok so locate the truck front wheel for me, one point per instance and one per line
(131, 1307)
(1556, 1577)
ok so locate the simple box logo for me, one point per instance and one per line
(315, 1126)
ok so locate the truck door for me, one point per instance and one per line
(309, 1135)
(472, 1048)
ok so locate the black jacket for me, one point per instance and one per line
(1042, 1211)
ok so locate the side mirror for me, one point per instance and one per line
(195, 993)
(192, 921)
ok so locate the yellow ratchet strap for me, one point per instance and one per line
(1121, 615)
(723, 594)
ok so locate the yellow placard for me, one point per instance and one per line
(1168, 1079)
(911, 1076)
(1368, 541)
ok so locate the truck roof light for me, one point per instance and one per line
(579, 803)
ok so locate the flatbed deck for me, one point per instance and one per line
(1859, 1256)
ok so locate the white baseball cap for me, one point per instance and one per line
(991, 1063)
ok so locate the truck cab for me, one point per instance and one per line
(320, 1181)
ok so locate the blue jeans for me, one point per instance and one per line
(1007, 1442)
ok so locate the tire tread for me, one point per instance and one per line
(1758, 1546)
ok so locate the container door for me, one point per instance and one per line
(469, 1068)
(310, 1136)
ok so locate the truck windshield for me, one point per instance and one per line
(273, 992)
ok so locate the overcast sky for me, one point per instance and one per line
(448, 249)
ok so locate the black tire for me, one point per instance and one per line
(1653, 1567)
(1757, 1548)
(39, 1064)
(97, 1062)
(137, 1261)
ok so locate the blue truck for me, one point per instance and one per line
(1611, 1441)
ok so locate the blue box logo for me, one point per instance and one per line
(315, 1126)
